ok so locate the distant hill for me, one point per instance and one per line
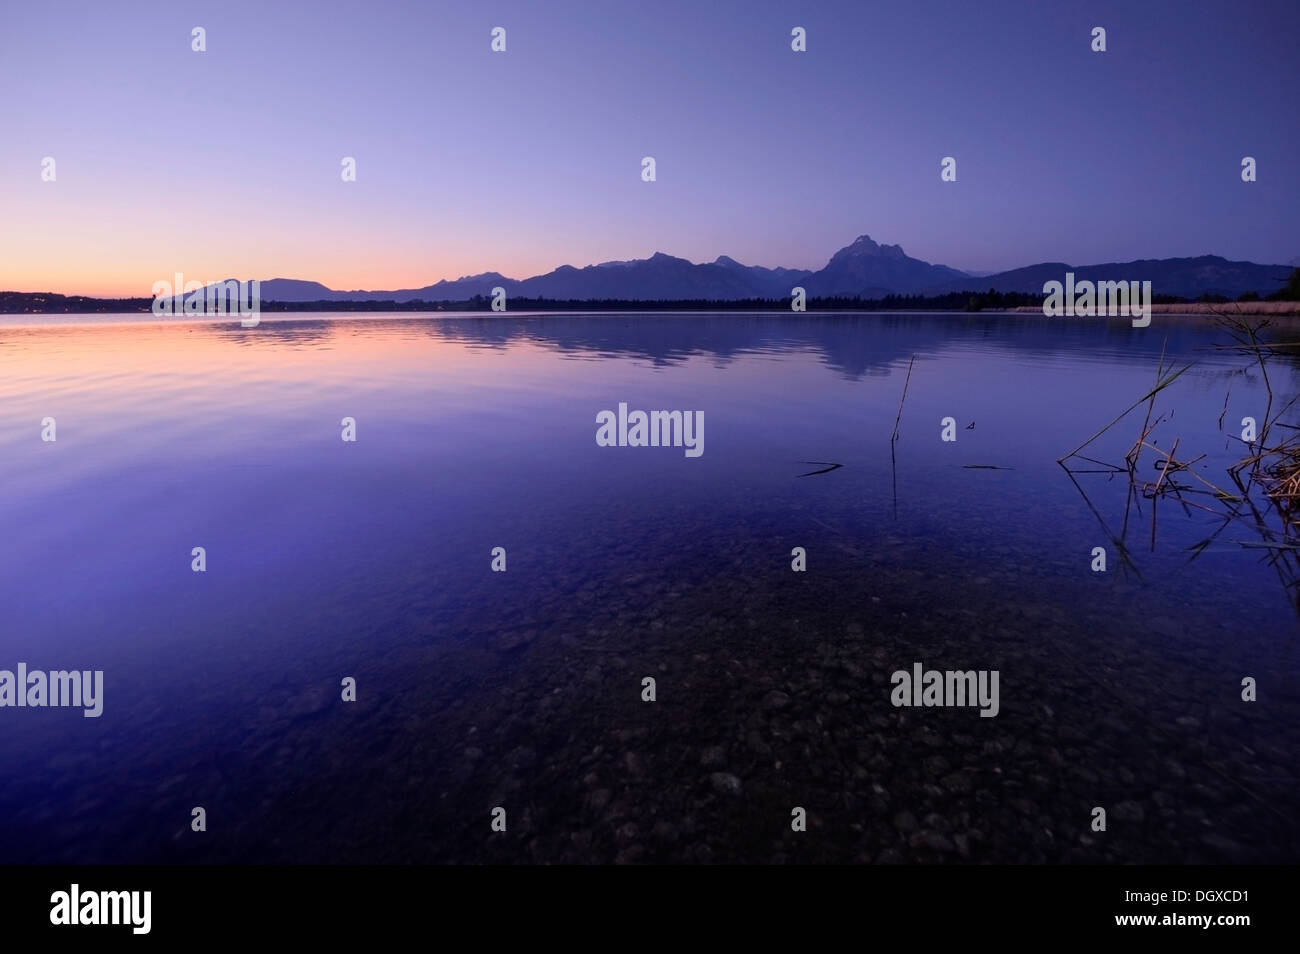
(659, 276)
(1183, 277)
(289, 289)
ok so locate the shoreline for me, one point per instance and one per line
(97, 318)
(1275, 308)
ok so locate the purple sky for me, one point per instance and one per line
(226, 163)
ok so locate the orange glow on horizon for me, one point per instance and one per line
(105, 281)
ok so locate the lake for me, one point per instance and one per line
(372, 560)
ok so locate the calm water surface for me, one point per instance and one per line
(328, 559)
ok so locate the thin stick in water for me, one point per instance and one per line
(899, 417)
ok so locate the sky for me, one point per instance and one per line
(226, 163)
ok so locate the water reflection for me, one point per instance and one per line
(371, 559)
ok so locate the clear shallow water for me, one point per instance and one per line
(328, 559)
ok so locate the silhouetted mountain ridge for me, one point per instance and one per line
(864, 268)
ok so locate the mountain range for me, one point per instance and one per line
(864, 269)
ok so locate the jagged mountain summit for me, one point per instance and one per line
(865, 265)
